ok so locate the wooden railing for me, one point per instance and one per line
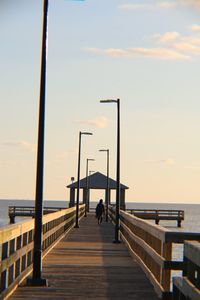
(158, 214)
(28, 211)
(16, 245)
(188, 286)
(151, 245)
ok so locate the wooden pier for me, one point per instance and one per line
(159, 214)
(87, 265)
(83, 263)
(28, 211)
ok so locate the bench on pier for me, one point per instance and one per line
(28, 211)
(188, 286)
(158, 215)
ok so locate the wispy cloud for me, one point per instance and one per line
(159, 53)
(61, 157)
(195, 27)
(187, 45)
(192, 167)
(190, 3)
(171, 45)
(146, 6)
(100, 122)
(158, 5)
(168, 161)
(21, 145)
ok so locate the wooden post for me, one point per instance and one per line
(72, 197)
(166, 274)
(109, 197)
(122, 199)
(84, 196)
(12, 219)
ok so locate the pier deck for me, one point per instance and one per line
(87, 265)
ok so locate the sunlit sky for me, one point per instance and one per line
(147, 53)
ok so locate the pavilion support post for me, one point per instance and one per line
(122, 199)
(88, 201)
(72, 197)
(109, 197)
(84, 196)
(85, 200)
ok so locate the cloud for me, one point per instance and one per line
(21, 144)
(135, 6)
(192, 167)
(146, 6)
(168, 37)
(195, 27)
(168, 161)
(157, 5)
(187, 45)
(168, 46)
(101, 122)
(190, 3)
(61, 157)
(160, 53)
(175, 37)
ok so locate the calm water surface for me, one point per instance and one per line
(190, 224)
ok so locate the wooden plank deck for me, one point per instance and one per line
(87, 265)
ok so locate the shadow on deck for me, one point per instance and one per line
(87, 265)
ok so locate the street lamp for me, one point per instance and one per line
(78, 176)
(37, 251)
(87, 186)
(107, 187)
(117, 101)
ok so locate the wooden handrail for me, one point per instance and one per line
(151, 246)
(158, 214)
(188, 286)
(16, 245)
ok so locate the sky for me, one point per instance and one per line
(147, 53)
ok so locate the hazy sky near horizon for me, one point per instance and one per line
(145, 52)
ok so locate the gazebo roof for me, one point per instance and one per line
(97, 181)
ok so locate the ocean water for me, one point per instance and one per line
(4, 204)
(190, 224)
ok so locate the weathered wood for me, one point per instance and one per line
(185, 289)
(188, 286)
(28, 211)
(158, 214)
(87, 265)
(151, 245)
(17, 246)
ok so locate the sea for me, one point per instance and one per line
(190, 224)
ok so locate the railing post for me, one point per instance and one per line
(166, 274)
(157, 218)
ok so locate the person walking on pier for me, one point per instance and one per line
(100, 211)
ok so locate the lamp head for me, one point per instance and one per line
(109, 101)
(86, 133)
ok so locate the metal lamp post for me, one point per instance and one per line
(107, 187)
(37, 252)
(87, 186)
(78, 177)
(117, 101)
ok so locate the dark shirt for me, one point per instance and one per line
(99, 209)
